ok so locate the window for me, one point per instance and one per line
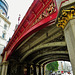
(3, 35)
(5, 26)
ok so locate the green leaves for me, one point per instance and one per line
(52, 66)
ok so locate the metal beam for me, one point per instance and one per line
(43, 37)
(52, 58)
(25, 41)
(48, 53)
(53, 44)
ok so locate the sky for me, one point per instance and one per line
(17, 7)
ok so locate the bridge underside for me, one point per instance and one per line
(45, 45)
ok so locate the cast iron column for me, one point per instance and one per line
(39, 69)
(34, 69)
(28, 69)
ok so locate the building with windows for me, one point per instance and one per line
(64, 66)
(4, 24)
(4, 7)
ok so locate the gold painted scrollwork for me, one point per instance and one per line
(65, 17)
(48, 11)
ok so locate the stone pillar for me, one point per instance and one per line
(4, 68)
(69, 33)
(4, 65)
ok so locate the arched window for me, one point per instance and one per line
(5, 26)
(3, 35)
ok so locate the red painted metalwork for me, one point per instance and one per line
(27, 26)
(62, 3)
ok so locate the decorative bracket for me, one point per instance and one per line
(65, 17)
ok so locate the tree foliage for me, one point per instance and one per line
(52, 66)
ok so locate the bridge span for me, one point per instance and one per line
(45, 34)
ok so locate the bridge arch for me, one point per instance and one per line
(52, 58)
(54, 44)
(50, 53)
(59, 59)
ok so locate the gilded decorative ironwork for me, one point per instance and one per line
(66, 16)
(48, 11)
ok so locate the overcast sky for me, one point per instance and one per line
(17, 7)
